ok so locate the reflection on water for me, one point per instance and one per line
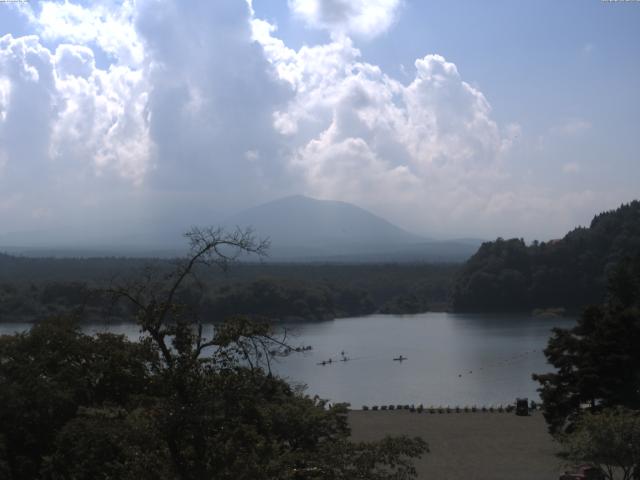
(452, 359)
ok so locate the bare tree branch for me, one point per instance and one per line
(155, 300)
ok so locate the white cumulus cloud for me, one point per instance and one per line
(212, 97)
(108, 24)
(366, 18)
(153, 107)
(357, 134)
(102, 115)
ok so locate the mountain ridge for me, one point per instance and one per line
(300, 228)
(298, 221)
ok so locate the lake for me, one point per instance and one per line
(452, 359)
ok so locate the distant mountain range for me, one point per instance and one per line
(300, 229)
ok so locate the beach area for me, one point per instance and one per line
(478, 446)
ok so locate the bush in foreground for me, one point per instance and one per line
(176, 405)
(609, 440)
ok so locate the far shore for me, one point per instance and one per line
(479, 446)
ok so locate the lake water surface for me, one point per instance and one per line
(452, 359)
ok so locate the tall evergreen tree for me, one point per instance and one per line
(598, 360)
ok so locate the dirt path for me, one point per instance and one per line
(478, 446)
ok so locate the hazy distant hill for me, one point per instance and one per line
(300, 228)
(303, 228)
(570, 272)
(304, 221)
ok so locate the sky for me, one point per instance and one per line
(450, 119)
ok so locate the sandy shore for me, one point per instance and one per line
(479, 446)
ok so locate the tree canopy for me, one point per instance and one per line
(570, 272)
(598, 360)
(184, 402)
(36, 288)
(609, 440)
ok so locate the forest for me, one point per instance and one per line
(568, 273)
(504, 275)
(184, 402)
(35, 288)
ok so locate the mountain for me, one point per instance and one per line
(302, 228)
(570, 272)
(304, 221)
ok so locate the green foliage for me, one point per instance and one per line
(176, 405)
(507, 275)
(36, 288)
(105, 443)
(48, 373)
(75, 406)
(598, 360)
(608, 440)
(282, 299)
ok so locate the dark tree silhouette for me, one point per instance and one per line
(598, 360)
(179, 404)
(508, 275)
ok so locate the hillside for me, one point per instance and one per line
(302, 221)
(306, 229)
(508, 275)
(301, 229)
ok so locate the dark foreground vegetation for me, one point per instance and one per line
(508, 275)
(35, 288)
(182, 403)
(592, 401)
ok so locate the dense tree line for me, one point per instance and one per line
(287, 300)
(32, 289)
(571, 272)
(591, 402)
(598, 361)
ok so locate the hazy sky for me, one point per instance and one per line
(449, 118)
